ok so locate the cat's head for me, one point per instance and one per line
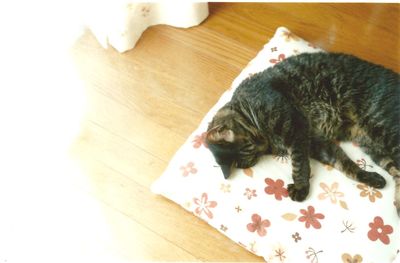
(234, 140)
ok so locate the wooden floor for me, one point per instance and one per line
(143, 104)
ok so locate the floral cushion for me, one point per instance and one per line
(341, 220)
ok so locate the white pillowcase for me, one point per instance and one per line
(340, 220)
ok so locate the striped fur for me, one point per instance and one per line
(301, 106)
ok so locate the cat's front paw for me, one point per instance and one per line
(298, 192)
(372, 179)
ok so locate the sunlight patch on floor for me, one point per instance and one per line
(44, 215)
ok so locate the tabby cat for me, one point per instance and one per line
(304, 105)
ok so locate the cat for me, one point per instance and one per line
(303, 106)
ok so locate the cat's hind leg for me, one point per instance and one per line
(384, 160)
(327, 152)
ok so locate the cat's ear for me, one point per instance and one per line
(220, 134)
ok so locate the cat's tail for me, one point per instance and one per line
(393, 171)
(397, 194)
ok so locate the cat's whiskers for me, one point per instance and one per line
(249, 113)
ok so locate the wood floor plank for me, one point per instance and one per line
(169, 76)
(138, 94)
(240, 23)
(99, 144)
(213, 45)
(359, 29)
(134, 127)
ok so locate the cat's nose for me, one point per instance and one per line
(226, 170)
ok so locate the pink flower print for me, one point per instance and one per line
(312, 45)
(310, 217)
(204, 206)
(331, 192)
(250, 193)
(200, 140)
(280, 58)
(379, 231)
(258, 225)
(290, 36)
(363, 164)
(276, 188)
(188, 169)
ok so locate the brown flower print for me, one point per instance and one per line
(347, 258)
(379, 231)
(290, 36)
(145, 11)
(204, 205)
(188, 169)
(296, 236)
(250, 193)
(276, 188)
(258, 225)
(200, 140)
(348, 226)
(280, 58)
(280, 253)
(369, 191)
(330, 192)
(311, 218)
(312, 255)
